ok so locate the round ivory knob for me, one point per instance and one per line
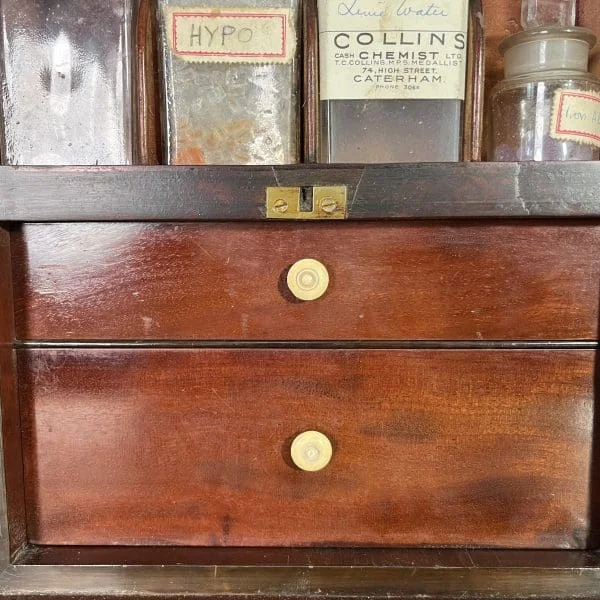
(308, 279)
(311, 451)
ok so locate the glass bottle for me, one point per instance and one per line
(230, 81)
(392, 80)
(548, 107)
(67, 82)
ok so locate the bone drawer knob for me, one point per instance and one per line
(308, 279)
(311, 451)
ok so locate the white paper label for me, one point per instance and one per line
(393, 49)
(576, 117)
(234, 35)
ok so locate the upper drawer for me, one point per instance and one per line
(387, 281)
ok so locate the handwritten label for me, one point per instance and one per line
(393, 49)
(576, 117)
(239, 35)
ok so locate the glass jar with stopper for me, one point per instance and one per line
(548, 107)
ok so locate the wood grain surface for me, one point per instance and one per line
(310, 81)
(11, 461)
(474, 107)
(400, 557)
(444, 281)
(306, 582)
(404, 192)
(191, 447)
(149, 138)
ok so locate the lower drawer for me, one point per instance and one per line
(192, 447)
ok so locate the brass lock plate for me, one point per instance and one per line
(328, 202)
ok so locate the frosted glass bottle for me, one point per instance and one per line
(67, 82)
(230, 81)
(548, 107)
(392, 80)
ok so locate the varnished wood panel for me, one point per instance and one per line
(308, 582)
(148, 81)
(11, 461)
(473, 114)
(442, 558)
(192, 447)
(390, 281)
(310, 81)
(405, 192)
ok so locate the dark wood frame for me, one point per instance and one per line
(420, 191)
(468, 191)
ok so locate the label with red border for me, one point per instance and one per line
(576, 117)
(231, 35)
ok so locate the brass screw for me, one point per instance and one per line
(328, 204)
(280, 205)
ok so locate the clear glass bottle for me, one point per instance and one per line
(67, 82)
(392, 80)
(230, 81)
(548, 107)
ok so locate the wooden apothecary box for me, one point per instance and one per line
(155, 369)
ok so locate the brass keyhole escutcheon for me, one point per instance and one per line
(307, 203)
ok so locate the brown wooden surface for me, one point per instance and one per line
(192, 447)
(148, 121)
(414, 192)
(406, 192)
(442, 558)
(473, 117)
(298, 583)
(389, 281)
(10, 444)
(310, 79)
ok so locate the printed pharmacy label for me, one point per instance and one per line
(238, 35)
(393, 49)
(576, 117)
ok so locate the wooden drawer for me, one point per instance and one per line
(388, 281)
(192, 447)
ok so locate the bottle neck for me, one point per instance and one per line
(547, 49)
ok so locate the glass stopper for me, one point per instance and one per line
(548, 13)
